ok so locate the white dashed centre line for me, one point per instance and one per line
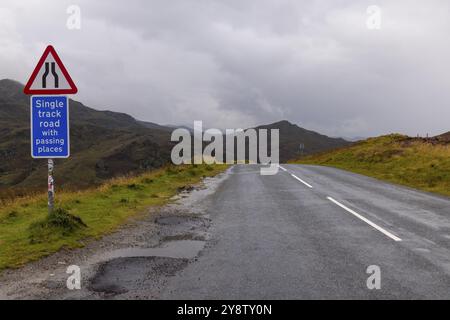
(387, 233)
(374, 225)
(304, 182)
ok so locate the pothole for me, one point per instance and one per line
(198, 236)
(184, 227)
(176, 220)
(180, 249)
(134, 274)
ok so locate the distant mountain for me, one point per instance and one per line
(105, 144)
(296, 141)
(173, 126)
(354, 139)
(152, 125)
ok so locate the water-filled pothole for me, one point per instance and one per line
(134, 274)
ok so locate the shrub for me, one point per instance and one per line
(58, 223)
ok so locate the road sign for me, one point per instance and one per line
(50, 76)
(50, 127)
(50, 114)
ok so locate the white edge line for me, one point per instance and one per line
(387, 233)
(305, 183)
(282, 168)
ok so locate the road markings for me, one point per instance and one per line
(387, 233)
(304, 182)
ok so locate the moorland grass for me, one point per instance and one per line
(28, 233)
(395, 158)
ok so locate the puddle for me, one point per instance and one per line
(181, 249)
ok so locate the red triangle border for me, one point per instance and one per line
(73, 88)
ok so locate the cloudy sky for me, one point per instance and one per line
(238, 63)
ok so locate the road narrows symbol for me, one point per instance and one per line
(50, 76)
(54, 74)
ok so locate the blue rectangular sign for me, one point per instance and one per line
(50, 127)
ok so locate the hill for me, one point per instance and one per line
(422, 163)
(292, 136)
(104, 144)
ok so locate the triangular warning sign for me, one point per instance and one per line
(50, 76)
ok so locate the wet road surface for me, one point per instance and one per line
(311, 232)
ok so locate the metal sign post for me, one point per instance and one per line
(302, 148)
(51, 186)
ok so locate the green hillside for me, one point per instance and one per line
(415, 162)
(104, 145)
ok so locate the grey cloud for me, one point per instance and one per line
(242, 63)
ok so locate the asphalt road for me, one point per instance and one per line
(312, 232)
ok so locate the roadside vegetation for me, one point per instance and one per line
(28, 232)
(415, 162)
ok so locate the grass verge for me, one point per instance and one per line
(395, 158)
(28, 233)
